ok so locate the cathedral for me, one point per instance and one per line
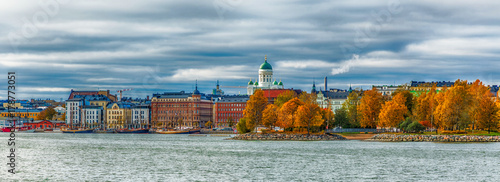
(265, 80)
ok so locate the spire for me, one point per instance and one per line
(217, 84)
(314, 87)
(196, 92)
(265, 58)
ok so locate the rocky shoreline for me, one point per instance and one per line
(434, 138)
(292, 137)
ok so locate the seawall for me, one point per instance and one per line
(434, 138)
(293, 137)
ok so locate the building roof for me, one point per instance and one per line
(266, 66)
(335, 95)
(121, 105)
(22, 110)
(91, 107)
(238, 98)
(438, 84)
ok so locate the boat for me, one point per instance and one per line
(173, 132)
(8, 129)
(133, 131)
(49, 129)
(30, 131)
(77, 131)
(104, 131)
(194, 131)
(39, 130)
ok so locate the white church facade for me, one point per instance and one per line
(265, 80)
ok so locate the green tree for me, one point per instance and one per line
(351, 106)
(342, 118)
(230, 121)
(415, 126)
(242, 126)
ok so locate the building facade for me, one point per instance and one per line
(141, 116)
(180, 110)
(93, 116)
(332, 99)
(229, 108)
(119, 115)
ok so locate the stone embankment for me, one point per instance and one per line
(434, 138)
(294, 137)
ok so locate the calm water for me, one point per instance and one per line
(116, 157)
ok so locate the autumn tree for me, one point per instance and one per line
(253, 111)
(328, 117)
(208, 124)
(369, 108)
(270, 115)
(50, 113)
(487, 113)
(393, 112)
(41, 115)
(426, 104)
(284, 97)
(409, 99)
(351, 106)
(452, 109)
(286, 115)
(308, 115)
(242, 126)
(477, 92)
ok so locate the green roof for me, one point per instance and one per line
(250, 82)
(256, 83)
(275, 82)
(280, 83)
(266, 66)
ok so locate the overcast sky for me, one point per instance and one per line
(157, 45)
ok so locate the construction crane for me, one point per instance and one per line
(121, 91)
(234, 87)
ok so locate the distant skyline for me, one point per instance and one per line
(156, 46)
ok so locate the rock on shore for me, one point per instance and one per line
(434, 138)
(294, 137)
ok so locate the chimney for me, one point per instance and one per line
(147, 98)
(326, 83)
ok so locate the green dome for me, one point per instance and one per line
(256, 83)
(280, 83)
(250, 82)
(275, 82)
(266, 66)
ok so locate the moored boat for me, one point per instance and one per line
(77, 131)
(133, 131)
(7, 129)
(173, 132)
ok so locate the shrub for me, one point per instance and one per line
(242, 126)
(415, 127)
(404, 125)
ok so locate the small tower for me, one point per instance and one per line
(314, 87)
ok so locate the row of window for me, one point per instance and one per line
(231, 109)
(232, 105)
(231, 114)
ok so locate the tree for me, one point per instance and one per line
(369, 108)
(63, 117)
(393, 112)
(308, 115)
(270, 116)
(342, 118)
(415, 127)
(208, 124)
(351, 106)
(286, 115)
(50, 113)
(255, 106)
(242, 126)
(487, 113)
(328, 118)
(452, 111)
(477, 91)
(230, 121)
(409, 99)
(284, 97)
(426, 104)
(41, 116)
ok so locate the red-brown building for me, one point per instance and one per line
(180, 109)
(229, 107)
(44, 125)
(272, 94)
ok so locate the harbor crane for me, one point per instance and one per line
(121, 91)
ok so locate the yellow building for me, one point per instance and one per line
(119, 115)
(16, 105)
(22, 113)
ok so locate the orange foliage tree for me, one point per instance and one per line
(254, 109)
(369, 108)
(487, 114)
(393, 112)
(270, 115)
(286, 115)
(284, 97)
(452, 111)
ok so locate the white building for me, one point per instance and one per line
(265, 80)
(333, 99)
(73, 108)
(140, 116)
(93, 116)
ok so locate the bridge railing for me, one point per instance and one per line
(355, 130)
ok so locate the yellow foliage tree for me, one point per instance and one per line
(369, 108)
(452, 110)
(487, 113)
(270, 115)
(284, 97)
(253, 111)
(478, 92)
(393, 112)
(286, 115)
(308, 115)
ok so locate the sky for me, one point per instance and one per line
(156, 46)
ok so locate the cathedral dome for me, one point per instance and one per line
(266, 65)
